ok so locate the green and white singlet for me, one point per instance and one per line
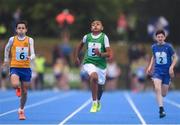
(92, 42)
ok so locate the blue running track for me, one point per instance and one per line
(72, 107)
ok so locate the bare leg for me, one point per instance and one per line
(157, 87)
(24, 87)
(23, 99)
(100, 91)
(94, 85)
(159, 91)
(14, 80)
(165, 89)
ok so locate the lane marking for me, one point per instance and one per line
(38, 103)
(76, 111)
(133, 106)
(172, 102)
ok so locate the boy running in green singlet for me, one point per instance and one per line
(94, 62)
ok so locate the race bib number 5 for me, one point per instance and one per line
(21, 53)
(92, 47)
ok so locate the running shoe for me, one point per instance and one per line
(21, 114)
(98, 106)
(94, 107)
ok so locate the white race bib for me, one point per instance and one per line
(21, 53)
(161, 58)
(92, 47)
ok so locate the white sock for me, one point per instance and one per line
(20, 109)
(94, 101)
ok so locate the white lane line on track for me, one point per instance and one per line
(38, 103)
(169, 101)
(76, 111)
(172, 102)
(133, 106)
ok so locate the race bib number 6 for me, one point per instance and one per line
(92, 47)
(21, 53)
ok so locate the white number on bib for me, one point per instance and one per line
(161, 58)
(92, 47)
(21, 53)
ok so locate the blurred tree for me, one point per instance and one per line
(41, 13)
(169, 9)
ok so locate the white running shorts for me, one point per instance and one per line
(90, 68)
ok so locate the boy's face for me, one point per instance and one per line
(21, 29)
(96, 26)
(160, 38)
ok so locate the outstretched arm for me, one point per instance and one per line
(149, 69)
(31, 42)
(77, 51)
(174, 61)
(7, 50)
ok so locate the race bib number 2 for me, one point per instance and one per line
(21, 53)
(92, 47)
(161, 58)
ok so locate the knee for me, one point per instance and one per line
(94, 78)
(157, 89)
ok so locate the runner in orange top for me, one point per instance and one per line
(21, 49)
